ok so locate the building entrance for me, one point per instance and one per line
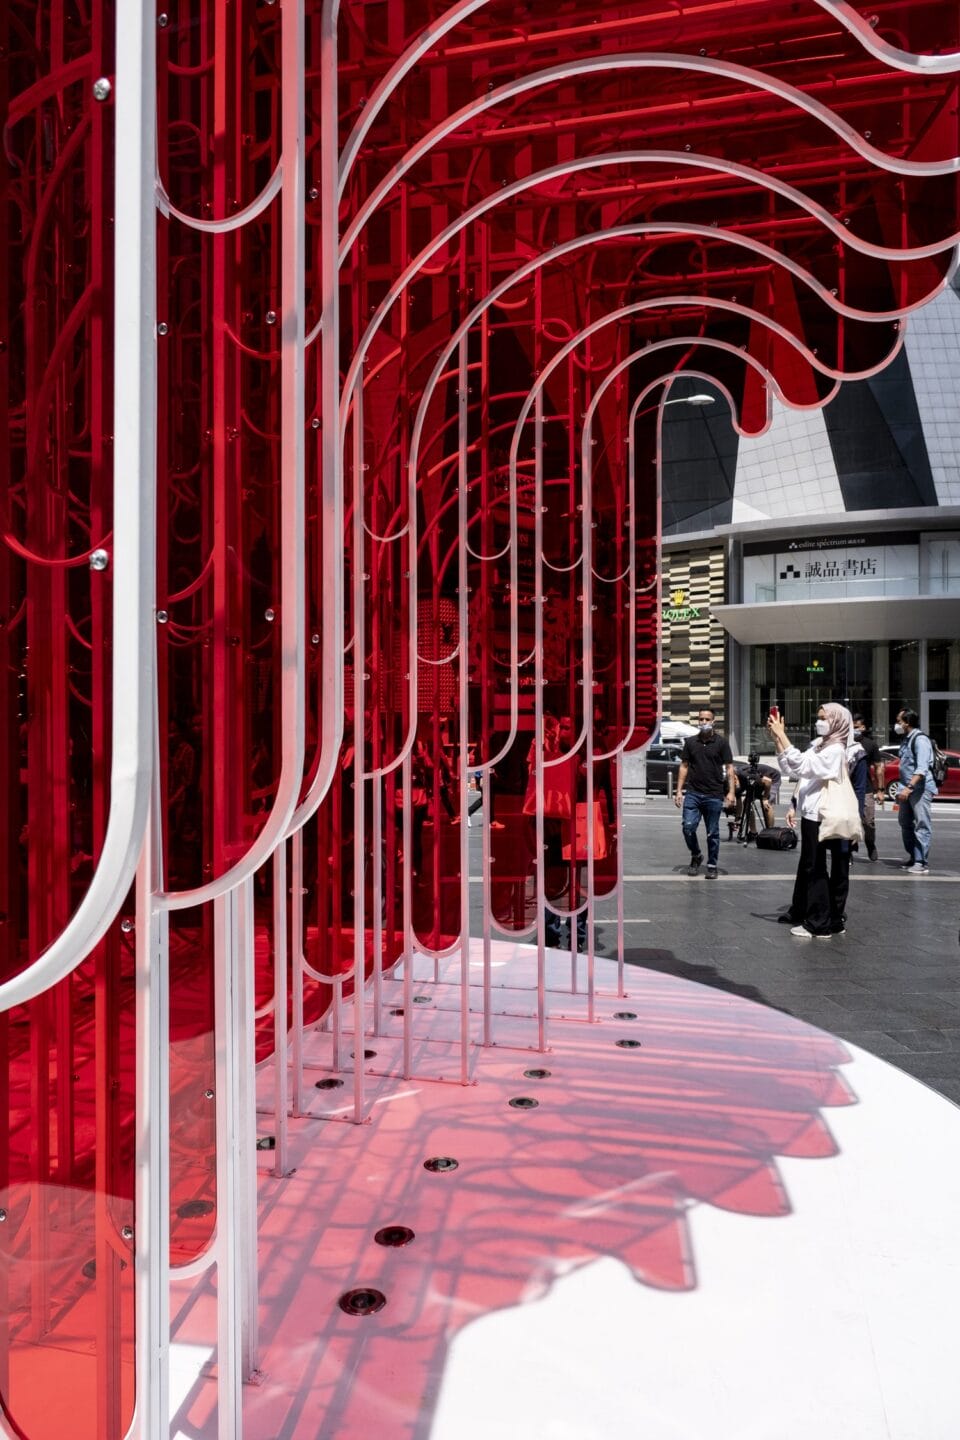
(940, 717)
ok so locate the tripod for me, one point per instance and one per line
(750, 815)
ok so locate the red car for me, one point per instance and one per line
(949, 790)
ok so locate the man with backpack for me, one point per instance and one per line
(918, 785)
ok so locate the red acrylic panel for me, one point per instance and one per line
(67, 1058)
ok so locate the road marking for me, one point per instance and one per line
(786, 875)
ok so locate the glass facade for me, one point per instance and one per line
(874, 679)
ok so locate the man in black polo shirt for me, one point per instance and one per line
(706, 775)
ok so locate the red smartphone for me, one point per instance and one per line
(774, 712)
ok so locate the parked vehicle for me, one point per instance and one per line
(674, 732)
(950, 790)
(662, 762)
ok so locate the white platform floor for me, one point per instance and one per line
(742, 1230)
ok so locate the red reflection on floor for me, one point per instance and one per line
(622, 1143)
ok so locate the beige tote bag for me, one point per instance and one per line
(839, 811)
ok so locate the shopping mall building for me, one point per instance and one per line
(820, 560)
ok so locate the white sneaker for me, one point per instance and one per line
(918, 870)
(801, 932)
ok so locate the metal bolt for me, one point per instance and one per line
(313, 193)
(3, 1216)
(163, 328)
(127, 1232)
(314, 639)
(126, 925)
(208, 1094)
(269, 614)
(315, 422)
(162, 617)
(163, 21)
(99, 559)
(271, 317)
(102, 89)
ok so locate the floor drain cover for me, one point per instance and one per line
(440, 1162)
(394, 1236)
(362, 1302)
(524, 1102)
(328, 1084)
(267, 1142)
(629, 1044)
(536, 1074)
(193, 1209)
(624, 1015)
(367, 1054)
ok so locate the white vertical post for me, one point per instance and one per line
(229, 1259)
(280, 948)
(464, 700)
(620, 822)
(152, 1226)
(296, 960)
(360, 758)
(244, 1023)
(538, 739)
(407, 841)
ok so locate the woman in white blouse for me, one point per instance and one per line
(819, 897)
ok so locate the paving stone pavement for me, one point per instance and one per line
(890, 985)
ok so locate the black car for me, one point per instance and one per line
(662, 762)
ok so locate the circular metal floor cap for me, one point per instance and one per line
(362, 1302)
(329, 1084)
(523, 1102)
(629, 1044)
(439, 1163)
(194, 1209)
(536, 1074)
(394, 1236)
(624, 1015)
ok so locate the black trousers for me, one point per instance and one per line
(819, 897)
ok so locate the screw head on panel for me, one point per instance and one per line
(163, 21)
(99, 559)
(102, 89)
(162, 617)
(163, 328)
(271, 317)
(127, 1232)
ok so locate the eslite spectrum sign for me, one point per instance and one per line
(832, 566)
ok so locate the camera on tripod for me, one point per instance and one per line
(753, 809)
(751, 777)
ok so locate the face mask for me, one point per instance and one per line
(858, 733)
(823, 726)
(899, 729)
(706, 726)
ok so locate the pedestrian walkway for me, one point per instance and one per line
(891, 984)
